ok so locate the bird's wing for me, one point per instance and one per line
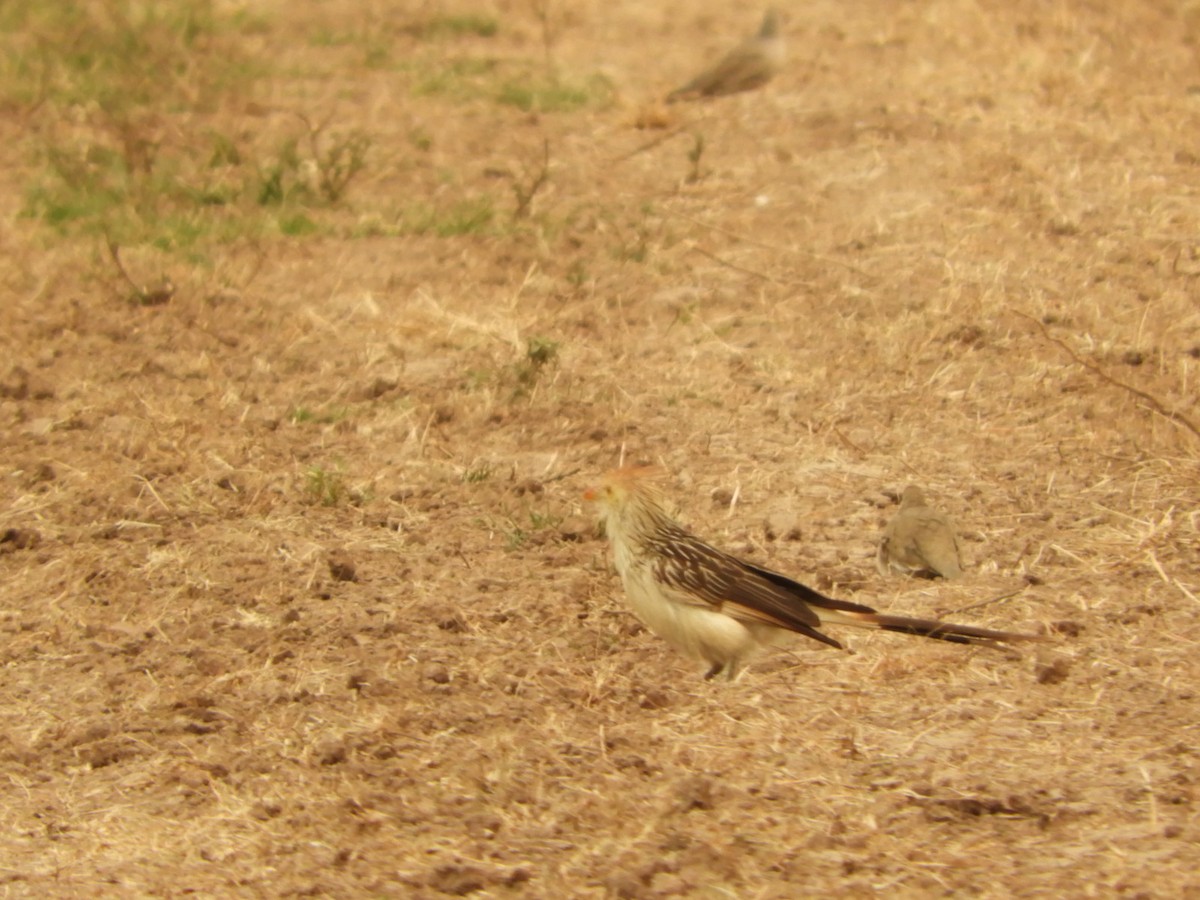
(928, 521)
(727, 68)
(931, 538)
(745, 67)
(803, 592)
(711, 578)
(905, 535)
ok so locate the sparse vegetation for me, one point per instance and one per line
(467, 216)
(695, 155)
(338, 158)
(421, 139)
(139, 166)
(294, 180)
(519, 535)
(119, 171)
(516, 539)
(540, 521)
(577, 274)
(326, 486)
(633, 247)
(550, 95)
(459, 79)
(301, 415)
(540, 352)
(454, 26)
(478, 473)
(487, 79)
(532, 180)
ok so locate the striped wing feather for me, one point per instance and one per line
(744, 591)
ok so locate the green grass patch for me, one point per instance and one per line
(539, 523)
(450, 26)
(552, 95)
(326, 487)
(469, 216)
(477, 473)
(119, 56)
(297, 225)
(301, 415)
(471, 78)
(114, 92)
(458, 79)
(540, 353)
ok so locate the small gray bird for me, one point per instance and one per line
(919, 540)
(749, 65)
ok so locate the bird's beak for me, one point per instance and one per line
(590, 495)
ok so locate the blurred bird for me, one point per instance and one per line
(919, 540)
(749, 65)
(717, 608)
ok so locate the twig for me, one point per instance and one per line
(695, 155)
(662, 138)
(115, 252)
(1167, 579)
(1179, 584)
(735, 266)
(524, 194)
(152, 491)
(345, 159)
(541, 9)
(998, 599)
(745, 240)
(1155, 404)
(144, 295)
(846, 440)
(258, 264)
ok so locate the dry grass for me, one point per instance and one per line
(421, 678)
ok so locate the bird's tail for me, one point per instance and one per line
(930, 628)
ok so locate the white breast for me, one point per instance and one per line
(701, 632)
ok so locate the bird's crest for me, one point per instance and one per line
(634, 475)
(639, 479)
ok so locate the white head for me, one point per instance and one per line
(629, 501)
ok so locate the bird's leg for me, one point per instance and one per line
(714, 671)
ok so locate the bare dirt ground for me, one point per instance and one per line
(299, 593)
